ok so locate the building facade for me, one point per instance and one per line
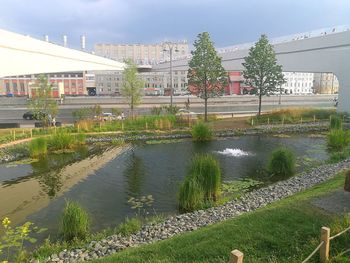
(141, 54)
(298, 83)
(73, 83)
(326, 83)
(155, 83)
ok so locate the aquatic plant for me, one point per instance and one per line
(61, 141)
(281, 163)
(206, 170)
(337, 140)
(201, 132)
(38, 147)
(191, 195)
(80, 138)
(336, 122)
(130, 226)
(75, 222)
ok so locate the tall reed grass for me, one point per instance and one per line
(61, 141)
(38, 147)
(281, 163)
(191, 195)
(337, 140)
(75, 222)
(201, 132)
(336, 122)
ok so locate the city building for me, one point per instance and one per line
(298, 83)
(73, 83)
(155, 83)
(141, 54)
(325, 83)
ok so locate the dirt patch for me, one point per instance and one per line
(337, 202)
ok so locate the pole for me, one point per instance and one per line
(324, 250)
(171, 76)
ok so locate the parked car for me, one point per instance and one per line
(186, 113)
(29, 115)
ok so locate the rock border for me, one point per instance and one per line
(176, 225)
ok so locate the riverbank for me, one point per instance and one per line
(176, 225)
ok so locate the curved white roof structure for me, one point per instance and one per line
(327, 52)
(23, 55)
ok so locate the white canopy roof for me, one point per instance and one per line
(23, 55)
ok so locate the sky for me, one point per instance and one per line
(229, 22)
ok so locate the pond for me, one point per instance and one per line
(103, 183)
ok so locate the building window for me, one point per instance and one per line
(15, 89)
(8, 88)
(22, 87)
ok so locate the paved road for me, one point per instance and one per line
(13, 113)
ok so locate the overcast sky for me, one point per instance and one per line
(148, 21)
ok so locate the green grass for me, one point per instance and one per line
(37, 147)
(61, 141)
(336, 122)
(202, 132)
(337, 140)
(130, 226)
(191, 195)
(75, 222)
(286, 231)
(281, 163)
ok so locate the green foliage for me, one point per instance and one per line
(130, 226)
(42, 103)
(336, 122)
(118, 141)
(337, 140)
(281, 163)
(171, 109)
(75, 222)
(201, 132)
(261, 70)
(337, 157)
(141, 205)
(191, 195)
(61, 141)
(236, 188)
(82, 114)
(202, 184)
(206, 169)
(12, 240)
(37, 147)
(80, 138)
(156, 110)
(132, 88)
(207, 77)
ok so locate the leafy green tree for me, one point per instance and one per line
(207, 77)
(43, 104)
(261, 71)
(132, 88)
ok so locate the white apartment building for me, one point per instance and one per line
(326, 83)
(142, 54)
(298, 83)
(155, 83)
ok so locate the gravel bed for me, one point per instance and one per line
(176, 225)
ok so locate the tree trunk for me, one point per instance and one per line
(347, 182)
(206, 109)
(259, 113)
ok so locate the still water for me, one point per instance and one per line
(103, 183)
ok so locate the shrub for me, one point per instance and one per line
(61, 141)
(75, 222)
(80, 138)
(130, 226)
(337, 140)
(336, 122)
(282, 163)
(191, 195)
(201, 132)
(206, 170)
(38, 147)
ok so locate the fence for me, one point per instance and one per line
(236, 256)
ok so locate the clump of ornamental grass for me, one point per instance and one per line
(201, 132)
(336, 122)
(61, 141)
(337, 140)
(38, 148)
(281, 163)
(75, 222)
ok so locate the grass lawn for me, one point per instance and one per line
(286, 231)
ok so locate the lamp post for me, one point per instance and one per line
(169, 46)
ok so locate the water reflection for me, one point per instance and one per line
(135, 173)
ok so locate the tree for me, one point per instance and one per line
(43, 104)
(132, 88)
(262, 72)
(206, 76)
